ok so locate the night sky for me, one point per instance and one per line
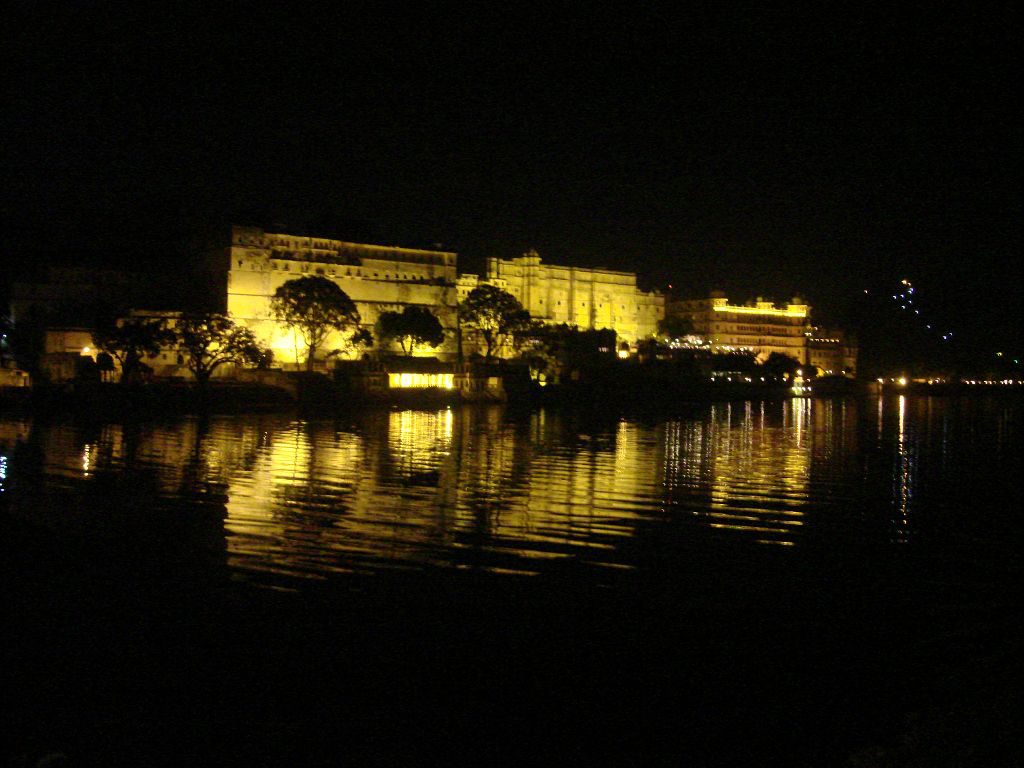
(763, 152)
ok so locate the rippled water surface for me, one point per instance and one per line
(809, 582)
(283, 500)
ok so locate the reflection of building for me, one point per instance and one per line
(378, 279)
(746, 468)
(764, 328)
(576, 296)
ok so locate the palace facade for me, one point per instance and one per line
(384, 278)
(589, 299)
(377, 278)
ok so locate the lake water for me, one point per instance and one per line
(857, 537)
(287, 500)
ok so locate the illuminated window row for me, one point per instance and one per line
(421, 380)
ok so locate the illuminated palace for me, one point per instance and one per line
(580, 297)
(384, 278)
(764, 328)
(378, 278)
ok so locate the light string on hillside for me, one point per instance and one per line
(904, 299)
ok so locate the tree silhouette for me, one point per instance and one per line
(675, 326)
(131, 339)
(210, 340)
(360, 339)
(411, 327)
(495, 314)
(779, 364)
(315, 307)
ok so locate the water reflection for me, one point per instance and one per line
(474, 488)
(758, 462)
(903, 476)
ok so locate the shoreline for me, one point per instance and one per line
(222, 398)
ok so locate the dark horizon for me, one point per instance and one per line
(759, 152)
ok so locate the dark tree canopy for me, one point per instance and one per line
(675, 326)
(412, 327)
(495, 314)
(742, 361)
(315, 307)
(25, 340)
(557, 348)
(131, 339)
(210, 340)
(779, 364)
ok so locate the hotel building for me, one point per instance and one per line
(759, 325)
(764, 327)
(832, 351)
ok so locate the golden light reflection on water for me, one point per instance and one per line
(903, 481)
(759, 471)
(475, 488)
